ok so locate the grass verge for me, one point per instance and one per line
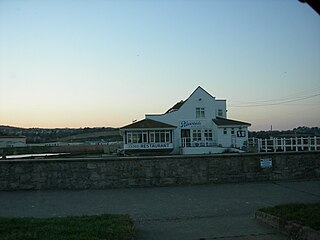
(100, 227)
(304, 214)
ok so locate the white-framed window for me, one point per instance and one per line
(200, 112)
(152, 137)
(196, 135)
(208, 134)
(225, 131)
(129, 137)
(220, 112)
(168, 136)
(137, 137)
(144, 136)
(160, 136)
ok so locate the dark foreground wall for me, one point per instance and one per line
(155, 171)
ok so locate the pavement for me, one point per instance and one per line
(203, 212)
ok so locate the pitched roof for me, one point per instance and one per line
(199, 87)
(147, 123)
(177, 106)
(228, 122)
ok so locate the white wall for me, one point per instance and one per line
(221, 104)
(226, 140)
(12, 142)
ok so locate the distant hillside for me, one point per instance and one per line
(41, 135)
(104, 135)
(296, 132)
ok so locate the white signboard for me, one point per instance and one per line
(241, 133)
(145, 146)
(192, 123)
(266, 163)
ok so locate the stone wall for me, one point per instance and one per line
(294, 230)
(155, 171)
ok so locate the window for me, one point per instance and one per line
(200, 113)
(225, 131)
(157, 136)
(144, 137)
(220, 112)
(137, 137)
(196, 135)
(232, 131)
(208, 134)
(168, 136)
(129, 137)
(152, 137)
(160, 136)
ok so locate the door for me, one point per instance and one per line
(233, 140)
(185, 137)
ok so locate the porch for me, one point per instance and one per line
(190, 146)
(187, 142)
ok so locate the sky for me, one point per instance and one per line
(95, 63)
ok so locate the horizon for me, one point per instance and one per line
(106, 63)
(267, 130)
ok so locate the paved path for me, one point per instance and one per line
(224, 211)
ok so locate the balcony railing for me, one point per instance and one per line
(188, 142)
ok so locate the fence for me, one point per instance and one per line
(293, 144)
(189, 142)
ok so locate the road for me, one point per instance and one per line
(206, 212)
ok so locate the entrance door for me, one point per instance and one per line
(185, 137)
(233, 141)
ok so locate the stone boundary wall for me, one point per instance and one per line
(99, 173)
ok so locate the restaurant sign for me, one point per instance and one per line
(192, 123)
(145, 146)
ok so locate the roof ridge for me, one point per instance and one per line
(225, 121)
(148, 123)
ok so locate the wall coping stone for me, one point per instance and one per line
(166, 157)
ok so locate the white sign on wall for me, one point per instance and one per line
(192, 123)
(266, 163)
(241, 133)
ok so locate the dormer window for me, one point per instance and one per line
(200, 113)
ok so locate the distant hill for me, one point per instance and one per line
(41, 135)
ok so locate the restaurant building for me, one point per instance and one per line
(12, 141)
(197, 125)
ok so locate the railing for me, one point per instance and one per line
(293, 144)
(188, 142)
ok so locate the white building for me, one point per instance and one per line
(12, 141)
(198, 125)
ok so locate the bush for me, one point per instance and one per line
(107, 227)
(304, 214)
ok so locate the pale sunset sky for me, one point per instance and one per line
(95, 63)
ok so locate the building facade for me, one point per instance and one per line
(12, 141)
(198, 125)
